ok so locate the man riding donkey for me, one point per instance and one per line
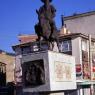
(46, 27)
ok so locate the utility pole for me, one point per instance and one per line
(90, 57)
(90, 63)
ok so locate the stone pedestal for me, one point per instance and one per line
(45, 93)
(48, 73)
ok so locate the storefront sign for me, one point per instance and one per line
(86, 71)
(93, 74)
(78, 70)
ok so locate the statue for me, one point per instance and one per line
(46, 27)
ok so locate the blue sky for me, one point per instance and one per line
(19, 17)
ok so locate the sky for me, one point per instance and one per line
(19, 17)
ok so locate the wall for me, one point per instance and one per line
(9, 61)
(76, 50)
(84, 24)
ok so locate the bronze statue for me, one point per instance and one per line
(46, 27)
(35, 75)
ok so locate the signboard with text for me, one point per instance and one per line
(78, 71)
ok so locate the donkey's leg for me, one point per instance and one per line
(57, 41)
(39, 42)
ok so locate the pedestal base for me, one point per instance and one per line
(49, 72)
(46, 93)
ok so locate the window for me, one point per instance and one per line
(84, 45)
(66, 46)
(26, 49)
(84, 50)
(93, 53)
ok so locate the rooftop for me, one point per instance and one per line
(66, 36)
(8, 53)
(27, 38)
(79, 15)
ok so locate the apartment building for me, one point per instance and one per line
(81, 23)
(79, 45)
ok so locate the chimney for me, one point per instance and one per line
(62, 20)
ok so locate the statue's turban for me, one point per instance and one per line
(45, 0)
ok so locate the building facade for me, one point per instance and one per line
(76, 44)
(81, 23)
(7, 66)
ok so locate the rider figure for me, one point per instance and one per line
(46, 13)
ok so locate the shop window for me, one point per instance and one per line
(93, 52)
(84, 56)
(85, 60)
